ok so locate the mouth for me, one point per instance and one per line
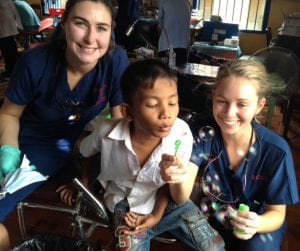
(229, 123)
(87, 50)
(165, 128)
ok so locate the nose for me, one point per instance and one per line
(231, 110)
(165, 112)
(90, 35)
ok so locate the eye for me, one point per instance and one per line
(80, 23)
(221, 101)
(151, 105)
(242, 105)
(102, 29)
(173, 103)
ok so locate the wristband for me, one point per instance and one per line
(9, 159)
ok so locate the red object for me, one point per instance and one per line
(46, 23)
(123, 241)
(56, 12)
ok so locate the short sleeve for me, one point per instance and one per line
(120, 62)
(283, 187)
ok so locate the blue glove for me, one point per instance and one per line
(9, 159)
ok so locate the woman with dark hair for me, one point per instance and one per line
(56, 89)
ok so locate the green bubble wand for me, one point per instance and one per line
(177, 145)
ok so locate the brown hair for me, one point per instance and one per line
(143, 74)
(59, 37)
(250, 69)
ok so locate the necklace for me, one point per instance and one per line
(240, 154)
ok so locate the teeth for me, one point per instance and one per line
(229, 122)
(87, 49)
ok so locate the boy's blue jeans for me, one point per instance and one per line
(185, 221)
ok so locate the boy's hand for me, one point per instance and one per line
(9, 159)
(67, 193)
(246, 224)
(139, 223)
(172, 170)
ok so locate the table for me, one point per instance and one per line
(195, 85)
(217, 51)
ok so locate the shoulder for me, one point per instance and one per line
(269, 138)
(181, 126)
(37, 61)
(116, 59)
(118, 53)
(181, 129)
(104, 126)
(40, 54)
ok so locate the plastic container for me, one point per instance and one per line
(172, 57)
(242, 210)
(56, 243)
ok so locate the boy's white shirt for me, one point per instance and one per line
(121, 174)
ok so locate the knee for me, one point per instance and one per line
(4, 238)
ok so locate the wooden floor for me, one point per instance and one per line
(47, 222)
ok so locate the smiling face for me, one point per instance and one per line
(154, 110)
(88, 31)
(235, 104)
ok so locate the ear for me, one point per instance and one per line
(62, 25)
(125, 111)
(261, 105)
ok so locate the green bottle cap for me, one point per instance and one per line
(243, 208)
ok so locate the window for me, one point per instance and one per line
(251, 15)
(48, 4)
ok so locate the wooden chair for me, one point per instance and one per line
(292, 107)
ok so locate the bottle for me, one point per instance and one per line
(242, 210)
(172, 57)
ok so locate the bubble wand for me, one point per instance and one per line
(177, 145)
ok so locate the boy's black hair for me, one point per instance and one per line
(143, 74)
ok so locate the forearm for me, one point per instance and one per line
(272, 219)
(181, 192)
(9, 130)
(162, 200)
(89, 167)
(10, 114)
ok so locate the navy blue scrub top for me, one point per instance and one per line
(267, 176)
(54, 115)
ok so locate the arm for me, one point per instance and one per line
(181, 192)
(162, 200)
(10, 114)
(9, 131)
(253, 223)
(180, 178)
(116, 112)
(68, 192)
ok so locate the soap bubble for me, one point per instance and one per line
(206, 133)
(204, 207)
(204, 156)
(252, 152)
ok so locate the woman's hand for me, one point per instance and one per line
(245, 224)
(67, 193)
(139, 223)
(172, 170)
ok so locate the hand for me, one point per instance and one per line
(246, 223)
(139, 223)
(172, 170)
(68, 193)
(9, 159)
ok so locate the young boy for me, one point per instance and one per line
(145, 166)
